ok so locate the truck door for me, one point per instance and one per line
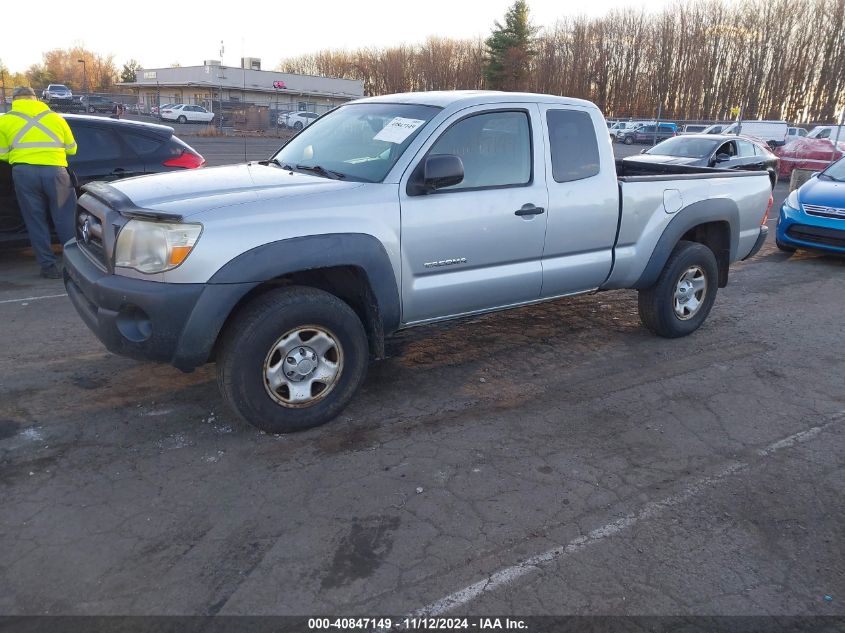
(583, 210)
(476, 245)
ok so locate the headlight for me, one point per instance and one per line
(153, 247)
(792, 200)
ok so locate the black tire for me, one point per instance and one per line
(786, 248)
(246, 347)
(657, 304)
(297, 126)
(628, 140)
(182, 119)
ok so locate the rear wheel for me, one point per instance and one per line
(679, 302)
(292, 359)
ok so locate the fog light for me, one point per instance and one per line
(134, 324)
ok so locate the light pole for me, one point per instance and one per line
(3, 86)
(84, 77)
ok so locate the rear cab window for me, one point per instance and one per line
(573, 145)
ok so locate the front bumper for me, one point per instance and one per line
(149, 320)
(801, 230)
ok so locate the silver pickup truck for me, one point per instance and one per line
(390, 212)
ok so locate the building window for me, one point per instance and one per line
(149, 74)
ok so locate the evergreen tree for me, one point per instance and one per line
(510, 48)
(127, 75)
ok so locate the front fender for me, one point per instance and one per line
(298, 254)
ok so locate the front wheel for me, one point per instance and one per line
(297, 126)
(629, 140)
(679, 302)
(292, 359)
(182, 119)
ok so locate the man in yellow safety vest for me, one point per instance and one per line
(36, 142)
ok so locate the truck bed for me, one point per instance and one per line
(628, 171)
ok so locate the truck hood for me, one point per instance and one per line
(193, 191)
(666, 160)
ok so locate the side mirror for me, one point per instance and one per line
(721, 158)
(442, 170)
(643, 151)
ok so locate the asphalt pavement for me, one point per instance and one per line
(553, 459)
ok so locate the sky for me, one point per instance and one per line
(277, 30)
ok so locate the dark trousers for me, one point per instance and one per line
(45, 192)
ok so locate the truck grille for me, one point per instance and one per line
(825, 212)
(817, 235)
(90, 234)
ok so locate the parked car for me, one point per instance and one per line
(716, 128)
(94, 103)
(57, 92)
(813, 153)
(771, 132)
(282, 117)
(299, 120)
(625, 126)
(647, 134)
(156, 110)
(295, 273)
(694, 128)
(708, 150)
(813, 216)
(184, 113)
(109, 149)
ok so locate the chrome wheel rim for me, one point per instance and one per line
(303, 366)
(690, 292)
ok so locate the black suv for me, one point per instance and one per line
(109, 149)
(93, 103)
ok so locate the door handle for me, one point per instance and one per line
(529, 209)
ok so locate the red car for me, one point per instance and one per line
(807, 153)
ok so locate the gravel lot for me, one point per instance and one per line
(555, 459)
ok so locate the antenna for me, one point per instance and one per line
(222, 50)
(243, 100)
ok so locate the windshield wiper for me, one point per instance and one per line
(834, 179)
(276, 161)
(317, 169)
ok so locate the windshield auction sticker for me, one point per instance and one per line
(398, 129)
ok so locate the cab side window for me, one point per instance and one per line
(573, 144)
(495, 148)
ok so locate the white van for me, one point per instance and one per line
(827, 131)
(773, 132)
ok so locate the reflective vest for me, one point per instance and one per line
(31, 133)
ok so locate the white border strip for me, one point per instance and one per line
(508, 575)
(64, 294)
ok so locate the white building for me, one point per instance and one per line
(215, 86)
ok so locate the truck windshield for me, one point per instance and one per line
(684, 147)
(360, 141)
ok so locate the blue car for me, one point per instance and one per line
(813, 216)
